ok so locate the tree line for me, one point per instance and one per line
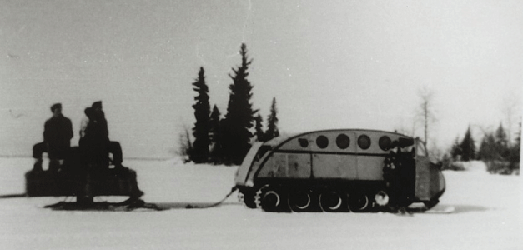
(495, 149)
(227, 139)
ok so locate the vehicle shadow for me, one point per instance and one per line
(162, 206)
(133, 205)
(449, 208)
(463, 208)
(438, 209)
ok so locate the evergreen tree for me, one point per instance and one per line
(272, 127)
(494, 147)
(515, 156)
(487, 148)
(240, 114)
(468, 147)
(201, 128)
(501, 135)
(215, 138)
(496, 151)
(518, 140)
(502, 147)
(258, 127)
(456, 151)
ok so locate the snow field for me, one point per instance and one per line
(487, 216)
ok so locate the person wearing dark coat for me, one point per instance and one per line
(96, 146)
(58, 131)
(94, 138)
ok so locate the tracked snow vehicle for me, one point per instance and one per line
(339, 170)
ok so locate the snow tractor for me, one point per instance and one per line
(339, 170)
(74, 177)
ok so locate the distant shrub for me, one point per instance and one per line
(185, 148)
(457, 166)
(504, 168)
(447, 164)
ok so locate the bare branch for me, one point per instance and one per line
(425, 113)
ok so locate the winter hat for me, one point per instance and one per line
(97, 104)
(55, 106)
(88, 111)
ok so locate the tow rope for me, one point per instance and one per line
(233, 189)
(129, 205)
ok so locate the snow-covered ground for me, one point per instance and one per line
(487, 216)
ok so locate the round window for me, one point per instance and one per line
(364, 142)
(342, 141)
(322, 141)
(303, 142)
(384, 143)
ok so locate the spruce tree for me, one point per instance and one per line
(258, 127)
(502, 146)
(456, 151)
(515, 156)
(501, 135)
(201, 107)
(272, 127)
(487, 148)
(468, 147)
(240, 114)
(215, 137)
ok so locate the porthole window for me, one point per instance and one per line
(303, 142)
(364, 142)
(322, 141)
(384, 143)
(342, 141)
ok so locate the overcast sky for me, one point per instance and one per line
(330, 64)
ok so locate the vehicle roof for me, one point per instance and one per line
(284, 138)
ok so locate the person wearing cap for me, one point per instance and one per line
(94, 137)
(95, 146)
(58, 131)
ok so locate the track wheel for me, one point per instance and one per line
(358, 202)
(331, 201)
(271, 200)
(382, 198)
(300, 201)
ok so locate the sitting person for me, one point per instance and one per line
(58, 131)
(95, 146)
(94, 138)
